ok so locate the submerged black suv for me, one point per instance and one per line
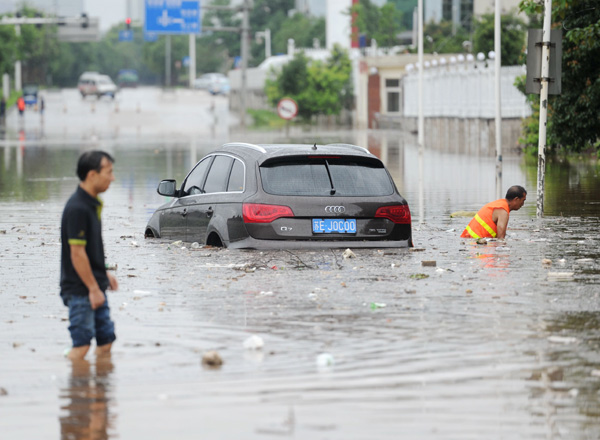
(285, 196)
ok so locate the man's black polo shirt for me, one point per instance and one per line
(81, 225)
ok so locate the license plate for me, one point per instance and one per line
(333, 226)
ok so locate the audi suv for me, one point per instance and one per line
(285, 196)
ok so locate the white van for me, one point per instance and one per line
(93, 83)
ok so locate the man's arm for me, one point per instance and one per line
(500, 216)
(82, 266)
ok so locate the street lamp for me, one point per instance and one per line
(267, 36)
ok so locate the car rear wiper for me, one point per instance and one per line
(332, 190)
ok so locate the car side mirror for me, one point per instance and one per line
(167, 188)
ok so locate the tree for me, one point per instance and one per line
(380, 24)
(319, 88)
(444, 37)
(512, 38)
(574, 119)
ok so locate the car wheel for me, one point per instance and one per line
(214, 240)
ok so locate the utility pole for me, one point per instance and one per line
(497, 67)
(545, 83)
(18, 84)
(421, 122)
(167, 61)
(245, 33)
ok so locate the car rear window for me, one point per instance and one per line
(326, 177)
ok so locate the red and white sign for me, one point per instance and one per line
(287, 108)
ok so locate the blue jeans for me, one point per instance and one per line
(87, 324)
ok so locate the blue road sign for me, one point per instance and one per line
(186, 61)
(173, 16)
(126, 35)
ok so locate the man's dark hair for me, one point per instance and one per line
(91, 160)
(514, 192)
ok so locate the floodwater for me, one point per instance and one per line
(490, 343)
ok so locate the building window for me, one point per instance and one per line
(392, 89)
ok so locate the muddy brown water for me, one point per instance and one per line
(490, 343)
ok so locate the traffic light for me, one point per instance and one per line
(128, 23)
(85, 21)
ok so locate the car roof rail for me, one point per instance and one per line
(246, 145)
(354, 147)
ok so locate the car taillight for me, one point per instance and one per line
(397, 213)
(259, 213)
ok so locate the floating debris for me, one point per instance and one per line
(430, 263)
(376, 305)
(546, 262)
(463, 214)
(212, 359)
(325, 360)
(419, 276)
(562, 339)
(254, 343)
(348, 254)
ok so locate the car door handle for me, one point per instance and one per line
(184, 212)
(209, 212)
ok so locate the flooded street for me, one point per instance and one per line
(491, 342)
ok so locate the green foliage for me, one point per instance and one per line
(36, 47)
(512, 38)
(573, 116)
(439, 38)
(265, 119)
(380, 24)
(318, 88)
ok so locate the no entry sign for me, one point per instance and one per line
(287, 108)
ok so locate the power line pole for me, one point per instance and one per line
(245, 34)
(545, 83)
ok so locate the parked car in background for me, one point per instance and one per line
(285, 196)
(205, 81)
(219, 86)
(127, 78)
(93, 83)
(30, 94)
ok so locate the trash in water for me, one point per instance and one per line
(375, 305)
(560, 275)
(111, 266)
(419, 276)
(195, 245)
(546, 262)
(348, 254)
(3, 392)
(212, 359)
(481, 241)
(134, 243)
(562, 339)
(325, 360)
(254, 343)
(463, 214)
(430, 263)
(177, 243)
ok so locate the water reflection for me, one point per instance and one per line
(444, 180)
(87, 401)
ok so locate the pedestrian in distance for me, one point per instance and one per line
(84, 279)
(21, 105)
(492, 219)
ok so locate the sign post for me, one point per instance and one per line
(174, 17)
(287, 109)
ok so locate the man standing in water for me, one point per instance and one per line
(83, 278)
(492, 219)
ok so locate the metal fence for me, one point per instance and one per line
(464, 91)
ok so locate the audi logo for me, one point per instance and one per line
(335, 209)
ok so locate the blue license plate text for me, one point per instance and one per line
(333, 226)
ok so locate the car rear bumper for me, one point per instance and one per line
(252, 243)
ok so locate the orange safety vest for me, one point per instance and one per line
(482, 225)
(21, 104)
